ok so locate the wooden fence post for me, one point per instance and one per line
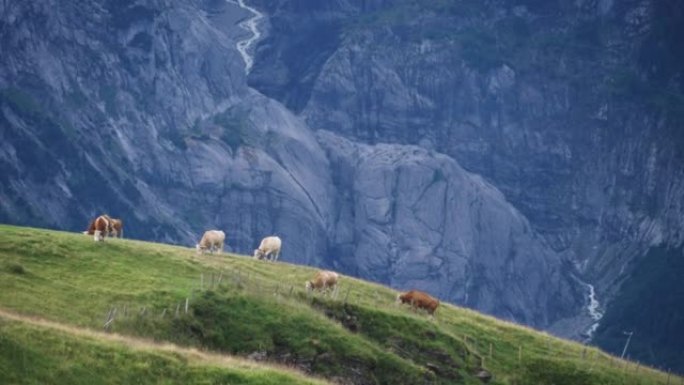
(111, 318)
(107, 317)
(109, 314)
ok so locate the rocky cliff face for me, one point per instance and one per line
(494, 155)
(572, 110)
(414, 218)
(141, 110)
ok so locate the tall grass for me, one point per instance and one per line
(37, 355)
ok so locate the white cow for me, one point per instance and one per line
(270, 246)
(211, 240)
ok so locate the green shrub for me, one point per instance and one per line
(240, 323)
(16, 268)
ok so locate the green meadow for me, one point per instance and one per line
(249, 322)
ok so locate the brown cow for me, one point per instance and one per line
(419, 300)
(324, 281)
(116, 228)
(99, 227)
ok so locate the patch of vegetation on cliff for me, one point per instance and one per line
(236, 130)
(21, 101)
(406, 11)
(52, 133)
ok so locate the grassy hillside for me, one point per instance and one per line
(240, 306)
(50, 354)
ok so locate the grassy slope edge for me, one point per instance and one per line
(35, 352)
(252, 308)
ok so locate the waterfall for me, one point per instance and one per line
(593, 309)
(249, 25)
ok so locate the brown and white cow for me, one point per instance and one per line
(419, 300)
(99, 227)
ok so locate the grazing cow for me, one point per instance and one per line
(323, 281)
(99, 227)
(270, 246)
(116, 228)
(210, 240)
(419, 300)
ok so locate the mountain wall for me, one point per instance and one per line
(499, 155)
(572, 110)
(141, 110)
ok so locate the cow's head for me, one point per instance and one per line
(258, 254)
(308, 285)
(98, 236)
